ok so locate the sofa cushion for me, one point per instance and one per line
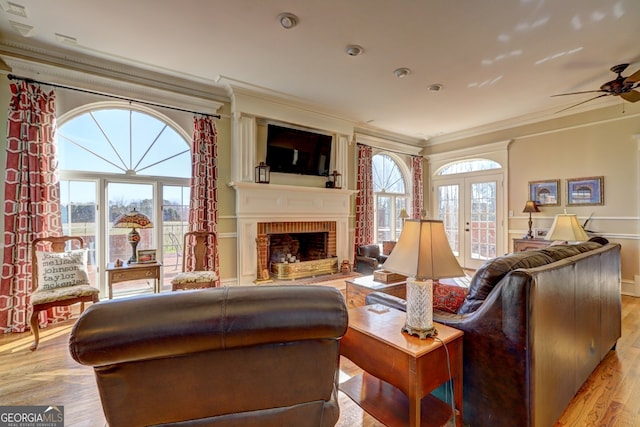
(371, 251)
(558, 252)
(492, 271)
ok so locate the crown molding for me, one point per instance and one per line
(67, 67)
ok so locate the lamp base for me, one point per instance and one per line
(419, 308)
(423, 334)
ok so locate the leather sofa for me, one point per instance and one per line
(369, 258)
(236, 356)
(536, 324)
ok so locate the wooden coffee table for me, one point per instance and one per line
(359, 287)
(400, 370)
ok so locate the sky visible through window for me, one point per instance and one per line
(122, 142)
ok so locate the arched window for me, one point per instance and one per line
(390, 196)
(123, 158)
(466, 166)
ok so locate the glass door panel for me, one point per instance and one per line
(78, 208)
(449, 213)
(175, 215)
(123, 198)
(482, 227)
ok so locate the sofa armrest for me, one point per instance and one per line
(386, 299)
(368, 260)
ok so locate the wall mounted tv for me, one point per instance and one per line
(297, 151)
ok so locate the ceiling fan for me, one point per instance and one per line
(623, 87)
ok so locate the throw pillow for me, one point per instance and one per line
(62, 269)
(448, 297)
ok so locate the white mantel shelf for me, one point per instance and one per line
(282, 203)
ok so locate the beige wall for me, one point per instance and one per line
(599, 143)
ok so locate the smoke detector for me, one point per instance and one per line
(354, 50)
(287, 20)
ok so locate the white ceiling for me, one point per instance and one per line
(496, 59)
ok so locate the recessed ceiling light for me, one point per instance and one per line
(401, 72)
(435, 87)
(354, 50)
(287, 20)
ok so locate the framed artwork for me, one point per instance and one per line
(545, 193)
(540, 233)
(585, 191)
(146, 256)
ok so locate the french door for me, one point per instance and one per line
(470, 208)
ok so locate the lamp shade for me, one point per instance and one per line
(566, 227)
(530, 206)
(403, 213)
(423, 252)
(133, 219)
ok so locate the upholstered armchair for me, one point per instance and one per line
(245, 355)
(369, 258)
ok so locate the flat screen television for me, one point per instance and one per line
(297, 151)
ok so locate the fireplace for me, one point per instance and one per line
(295, 249)
(267, 211)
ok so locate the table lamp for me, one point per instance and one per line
(133, 220)
(422, 254)
(403, 215)
(566, 228)
(530, 207)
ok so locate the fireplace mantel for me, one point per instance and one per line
(283, 203)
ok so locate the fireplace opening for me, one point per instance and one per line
(298, 247)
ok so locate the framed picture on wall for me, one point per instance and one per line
(585, 191)
(545, 193)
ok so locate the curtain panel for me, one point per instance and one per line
(417, 204)
(203, 205)
(32, 200)
(364, 232)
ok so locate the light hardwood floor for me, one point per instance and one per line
(48, 376)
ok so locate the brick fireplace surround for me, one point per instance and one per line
(263, 209)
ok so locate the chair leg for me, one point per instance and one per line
(35, 330)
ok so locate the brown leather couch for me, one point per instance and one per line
(536, 324)
(237, 356)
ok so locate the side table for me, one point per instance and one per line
(359, 287)
(400, 370)
(133, 272)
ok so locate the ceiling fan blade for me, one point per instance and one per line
(635, 77)
(577, 93)
(633, 96)
(583, 102)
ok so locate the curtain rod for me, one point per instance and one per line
(122, 98)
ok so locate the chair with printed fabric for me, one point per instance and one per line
(198, 273)
(59, 277)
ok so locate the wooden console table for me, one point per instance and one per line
(401, 370)
(128, 272)
(521, 245)
(358, 288)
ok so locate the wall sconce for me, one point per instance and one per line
(335, 180)
(263, 173)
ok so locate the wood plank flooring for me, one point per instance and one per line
(49, 376)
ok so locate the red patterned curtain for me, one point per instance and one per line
(364, 233)
(32, 200)
(203, 206)
(418, 193)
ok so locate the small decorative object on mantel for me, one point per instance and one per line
(335, 180)
(263, 173)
